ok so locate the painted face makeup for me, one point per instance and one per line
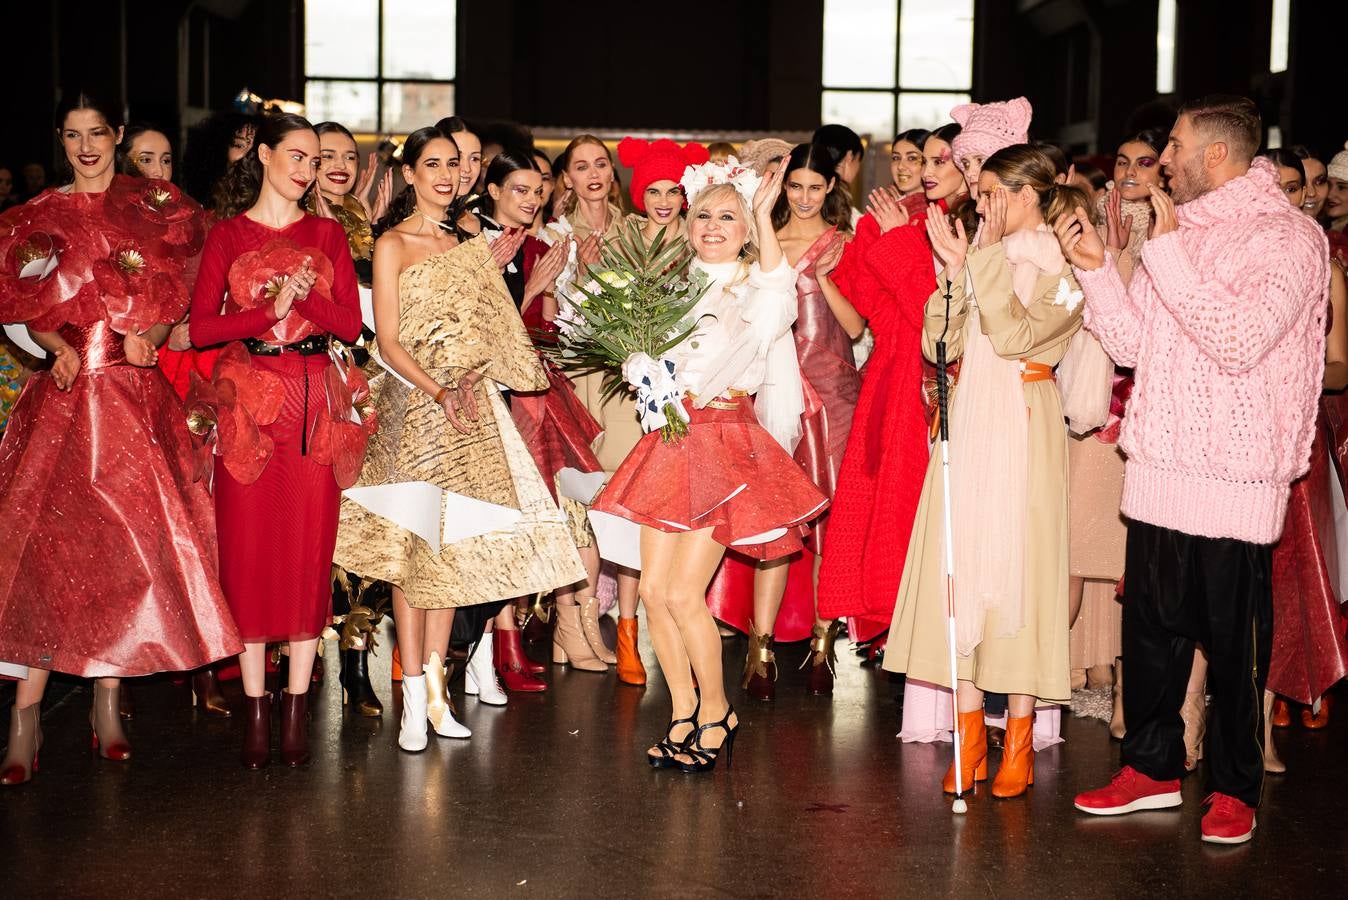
(1136, 168)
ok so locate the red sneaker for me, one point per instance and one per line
(1130, 791)
(1228, 820)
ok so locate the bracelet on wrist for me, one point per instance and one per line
(440, 396)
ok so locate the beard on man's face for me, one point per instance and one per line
(1190, 180)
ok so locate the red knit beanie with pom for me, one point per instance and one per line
(652, 161)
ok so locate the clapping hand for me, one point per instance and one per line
(887, 211)
(546, 268)
(504, 248)
(1117, 228)
(765, 197)
(297, 287)
(950, 248)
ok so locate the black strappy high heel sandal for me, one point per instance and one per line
(704, 758)
(670, 748)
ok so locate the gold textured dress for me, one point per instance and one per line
(494, 532)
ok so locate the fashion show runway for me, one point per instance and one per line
(552, 798)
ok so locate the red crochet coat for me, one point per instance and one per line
(888, 278)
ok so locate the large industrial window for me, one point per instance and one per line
(1165, 47)
(891, 64)
(379, 65)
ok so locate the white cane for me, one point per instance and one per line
(943, 398)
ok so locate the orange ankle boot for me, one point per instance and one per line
(973, 753)
(397, 665)
(630, 669)
(1017, 769)
(1313, 720)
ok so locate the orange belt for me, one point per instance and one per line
(1033, 371)
(728, 400)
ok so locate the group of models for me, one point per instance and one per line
(1136, 396)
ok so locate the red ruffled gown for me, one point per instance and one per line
(832, 385)
(275, 484)
(555, 425)
(108, 564)
(888, 278)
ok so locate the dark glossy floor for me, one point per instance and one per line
(551, 798)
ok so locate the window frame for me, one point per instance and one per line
(896, 90)
(378, 79)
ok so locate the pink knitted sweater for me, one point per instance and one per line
(1224, 325)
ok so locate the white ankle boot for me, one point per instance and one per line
(439, 710)
(480, 677)
(412, 735)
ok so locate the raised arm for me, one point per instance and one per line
(1016, 330)
(1235, 325)
(1111, 314)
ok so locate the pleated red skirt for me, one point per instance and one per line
(277, 534)
(727, 474)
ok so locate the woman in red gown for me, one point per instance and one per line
(108, 567)
(887, 273)
(277, 284)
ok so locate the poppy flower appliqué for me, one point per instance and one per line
(257, 277)
(167, 222)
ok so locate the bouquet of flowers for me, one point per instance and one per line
(631, 311)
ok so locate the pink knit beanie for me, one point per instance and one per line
(986, 128)
(1338, 166)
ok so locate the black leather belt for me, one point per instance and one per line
(310, 346)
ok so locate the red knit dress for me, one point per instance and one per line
(888, 279)
(277, 532)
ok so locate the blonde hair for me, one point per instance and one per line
(717, 193)
(1023, 164)
(581, 140)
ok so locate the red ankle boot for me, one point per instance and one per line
(513, 666)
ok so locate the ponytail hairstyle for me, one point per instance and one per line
(1287, 158)
(837, 210)
(1024, 164)
(510, 159)
(565, 159)
(82, 99)
(404, 203)
(125, 164)
(237, 191)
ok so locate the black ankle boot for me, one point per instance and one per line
(357, 691)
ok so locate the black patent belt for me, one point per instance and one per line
(310, 346)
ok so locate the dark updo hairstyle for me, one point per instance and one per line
(206, 153)
(1154, 138)
(405, 202)
(839, 140)
(510, 159)
(837, 210)
(1025, 164)
(125, 164)
(82, 99)
(915, 136)
(240, 187)
(1287, 158)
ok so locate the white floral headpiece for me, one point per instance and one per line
(732, 171)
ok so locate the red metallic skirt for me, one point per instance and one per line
(108, 561)
(726, 474)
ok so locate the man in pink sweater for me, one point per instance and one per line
(1224, 326)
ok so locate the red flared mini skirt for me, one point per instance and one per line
(727, 474)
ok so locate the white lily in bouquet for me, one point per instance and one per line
(632, 309)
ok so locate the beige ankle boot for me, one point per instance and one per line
(1116, 723)
(569, 644)
(1273, 764)
(589, 626)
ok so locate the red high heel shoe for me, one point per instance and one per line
(105, 725)
(1315, 721)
